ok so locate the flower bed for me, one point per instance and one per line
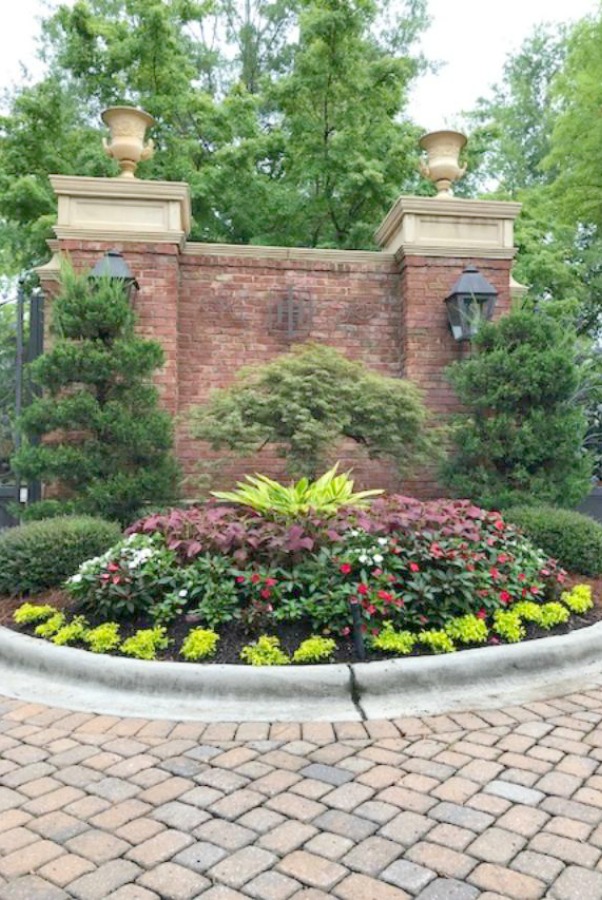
(228, 584)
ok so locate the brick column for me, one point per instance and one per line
(433, 240)
(147, 221)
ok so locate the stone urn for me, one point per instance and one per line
(128, 127)
(443, 152)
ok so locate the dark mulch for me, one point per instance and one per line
(234, 637)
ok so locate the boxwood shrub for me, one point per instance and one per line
(41, 555)
(573, 539)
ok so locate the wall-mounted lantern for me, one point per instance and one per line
(472, 301)
(113, 265)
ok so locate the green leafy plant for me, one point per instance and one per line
(71, 632)
(103, 638)
(575, 540)
(50, 627)
(521, 438)
(508, 625)
(305, 402)
(314, 649)
(29, 613)
(127, 579)
(146, 643)
(199, 643)
(436, 641)
(553, 614)
(578, 599)
(324, 496)
(265, 652)
(41, 555)
(401, 643)
(528, 611)
(111, 443)
(468, 629)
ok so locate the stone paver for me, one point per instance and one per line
(491, 804)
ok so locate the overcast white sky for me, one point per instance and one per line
(471, 38)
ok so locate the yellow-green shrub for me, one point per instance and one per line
(467, 630)
(145, 643)
(436, 641)
(199, 643)
(508, 625)
(528, 611)
(51, 625)
(103, 638)
(578, 599)
(553, 614)
(314, 649)
(29, 613)
(265, 652)
(390, 641)
(73, 631)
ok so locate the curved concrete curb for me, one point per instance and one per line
(485, 678)
(34, 669)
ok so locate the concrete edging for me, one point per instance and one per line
(488, 677)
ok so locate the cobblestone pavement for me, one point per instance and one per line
(506, 803)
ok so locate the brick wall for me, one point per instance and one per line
(212, 309)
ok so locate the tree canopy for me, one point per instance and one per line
(286, 118)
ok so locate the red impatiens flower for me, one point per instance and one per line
(482, 613)
(494, 572)
(414, 567)
(505, 597)
(362, 589)
(345, 631)
(265, 593)
(370, 609)
(377, 573)
(113, 567)
(255, 578)
(385, 595)
(499, 525)
(270, 582)
(240, 579)
(345, 569)
(503, 558)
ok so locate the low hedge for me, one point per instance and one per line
(41, 555)
(573, 539)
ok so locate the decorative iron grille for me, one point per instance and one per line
(291, 316)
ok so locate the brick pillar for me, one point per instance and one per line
(433, 240)
(147, 221)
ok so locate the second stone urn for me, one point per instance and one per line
(128, 128)
(443, 153)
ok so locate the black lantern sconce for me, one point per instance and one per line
(471, 302)
(113, 265)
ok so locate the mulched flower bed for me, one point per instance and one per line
(236, 636)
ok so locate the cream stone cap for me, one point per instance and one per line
(121, 209)
(429, 226)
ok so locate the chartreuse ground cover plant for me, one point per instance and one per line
(269, 587)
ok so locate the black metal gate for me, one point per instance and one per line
(29, 342)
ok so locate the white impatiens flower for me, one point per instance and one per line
(363, 558)
(377, 558)
(383, 542)
(183, 593)
(75, 579)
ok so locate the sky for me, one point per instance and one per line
(470, 38)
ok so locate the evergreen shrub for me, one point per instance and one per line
(570, 537)
(41, 555)
(95, 431)
(521, 439)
